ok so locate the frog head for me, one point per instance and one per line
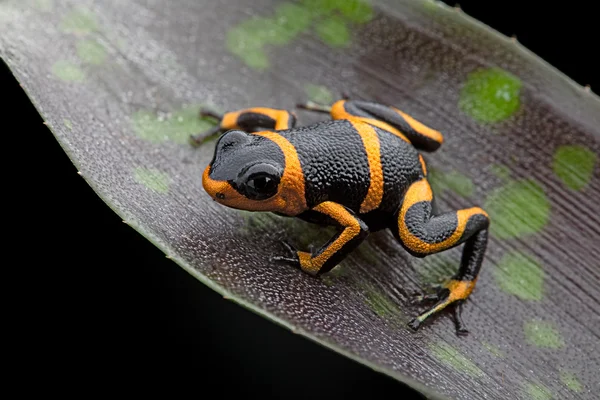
(245, 172)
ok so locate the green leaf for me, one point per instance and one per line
(120, 85)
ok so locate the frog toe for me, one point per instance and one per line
(292, 257)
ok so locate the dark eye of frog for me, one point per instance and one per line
(258, 182)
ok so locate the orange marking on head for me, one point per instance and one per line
(290, 197)
(372, 146)
(223, 192)
(421, 191)
(344, 218)
(421, 128)
(423, 165)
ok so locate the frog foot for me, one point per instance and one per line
(292, 258)
(454, 293)
(199, 138)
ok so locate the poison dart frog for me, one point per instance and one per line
(361, 172)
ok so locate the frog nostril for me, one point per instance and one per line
(220, 196)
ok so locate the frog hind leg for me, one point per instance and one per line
(390, 119)
(249, 120)
(422, 233)
(385, 117)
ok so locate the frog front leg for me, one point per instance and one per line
(352, 231)
(249, 120)
(422, 233)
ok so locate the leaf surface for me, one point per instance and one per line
(120, 83)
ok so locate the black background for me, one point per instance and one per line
(92, 302)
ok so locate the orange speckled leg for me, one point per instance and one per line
(352, 232)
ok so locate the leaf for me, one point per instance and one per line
(119, 82)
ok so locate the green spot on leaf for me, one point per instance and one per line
(176, 126)
(570, 380)
(153, 179)
(248, 39)
(68, 72)
(293, 19)
(542, 334)
(91, 52)
(122, 44)
(79, 22)
(490, 95)
(518, 209)
(357, 11)
(493, 349)
(44, 5)
(453, 359)
(460, 184)
(68, 124)
(321, 7)
(379, 302)
(574, 165)
(501, 171)
(334, 32)
(537, 391)
(318, 94)
(520, 274)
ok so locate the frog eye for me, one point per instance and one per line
(262, 185)
(259, 182)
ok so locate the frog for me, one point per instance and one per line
(362, 170)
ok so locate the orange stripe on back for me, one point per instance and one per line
(423, 165)
(372, 147)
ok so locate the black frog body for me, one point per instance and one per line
(337, 159)
(362, 171)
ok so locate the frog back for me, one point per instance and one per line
(360, 166)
